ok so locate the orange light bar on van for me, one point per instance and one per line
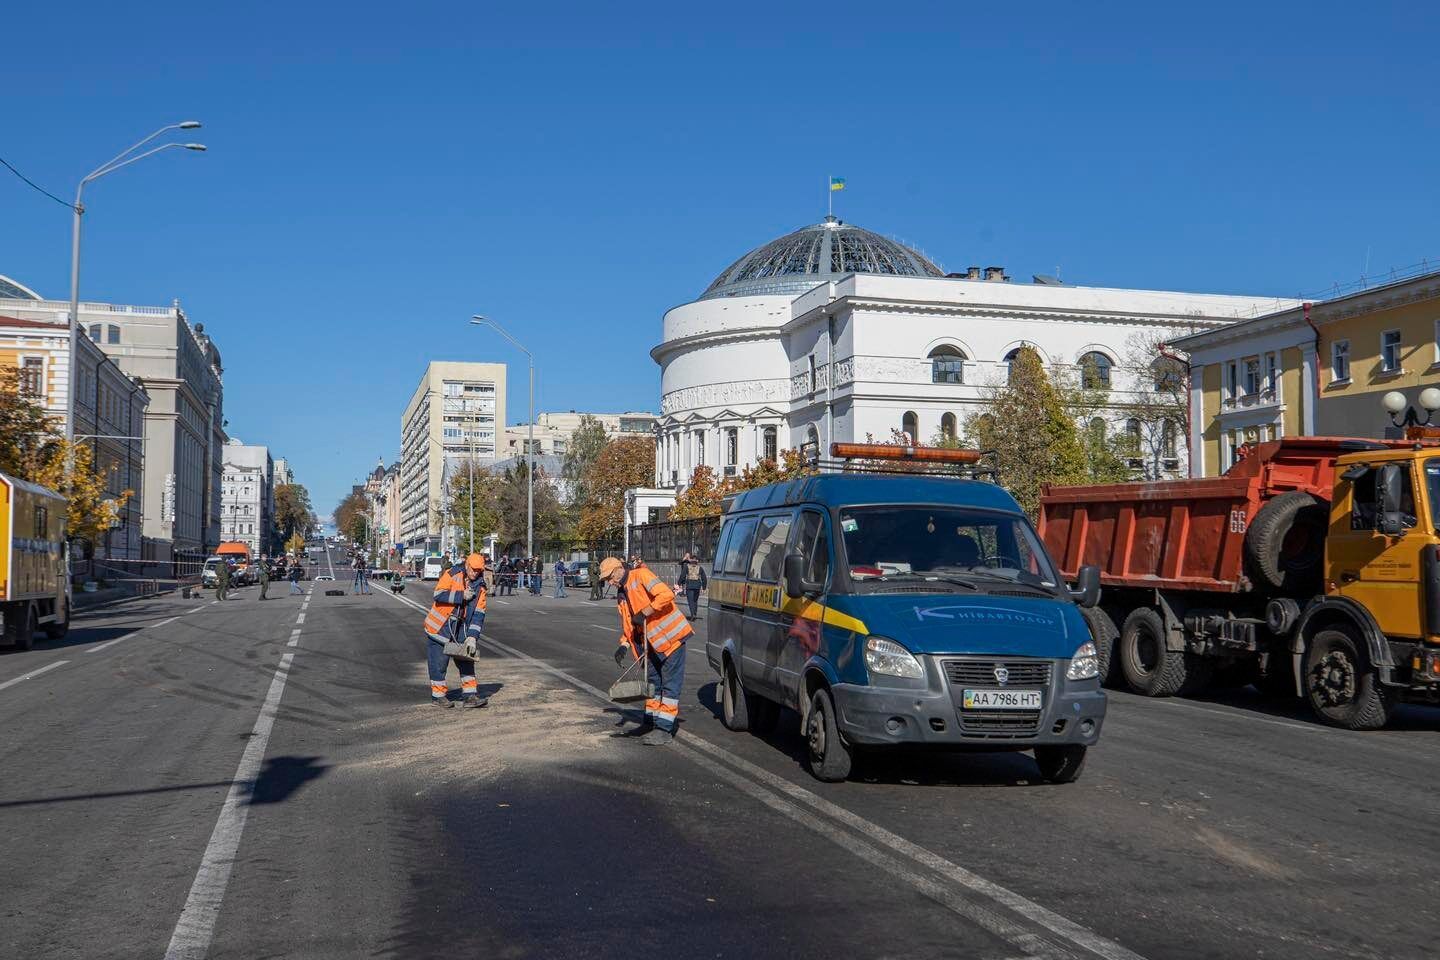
(1422, 433)
(895, 451)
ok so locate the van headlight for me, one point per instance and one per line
(1084, 664)
(888, 657)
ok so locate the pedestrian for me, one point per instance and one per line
(264, 571)
(294, 576)
(456, 615)
(692, 581)
(537, 583)
(559, 579)
(663, 630)
(364, 572)
(597, 586)
(504, 577)
(222, 580)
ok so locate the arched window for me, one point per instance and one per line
(910, 425)
(768, 443)
(1010, 364)
(1132, 436)
(947, 364)
(1095, 371)
(1168, 434)
(112, 334)
(1098, 429)
(811, 447)
(947, 426)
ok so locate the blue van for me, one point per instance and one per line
(901, 609)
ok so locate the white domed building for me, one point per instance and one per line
(832, 333)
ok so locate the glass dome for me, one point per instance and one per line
(10, 290)
(814, 254)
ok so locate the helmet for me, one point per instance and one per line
(475, 563)
(608, 566)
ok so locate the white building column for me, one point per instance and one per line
(1197, 422)
(1309, 387)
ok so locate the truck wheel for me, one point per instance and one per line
(829, 756)
(1148, 667)
(20, 624)
(1104, 635)
(734, 705)
(1342, 687)
(1284, 547)
(56, 630)
(1060, 764)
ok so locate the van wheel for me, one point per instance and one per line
(734, 705)
(1147, 666)
(20, 624)
(830, 756)
(1060, 764)
(1104, 635)
(1342, 687)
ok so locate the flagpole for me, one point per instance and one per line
(829, 198)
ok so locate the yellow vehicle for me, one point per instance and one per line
(34, 587)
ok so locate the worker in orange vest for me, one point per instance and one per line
(644, 597)
(457, 613)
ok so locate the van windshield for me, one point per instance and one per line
(897, 543)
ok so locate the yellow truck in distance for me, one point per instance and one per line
(34, 586)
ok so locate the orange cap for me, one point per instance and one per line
(475, 562)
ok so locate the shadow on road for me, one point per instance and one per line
(282, 777)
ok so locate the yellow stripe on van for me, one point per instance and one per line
(769, 597)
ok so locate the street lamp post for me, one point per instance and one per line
(123, 159)
(530, 441)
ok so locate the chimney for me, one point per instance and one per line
(995, 273)
(972, 273)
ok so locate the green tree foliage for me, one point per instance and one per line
(25, 430)
(474, 489)
(352, 516)
(551, 520)
(293, 513)
(705, 493)
(1031, 431)
(587, 443)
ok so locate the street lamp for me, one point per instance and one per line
(123, 159)
(1404, 415)
(478, 320)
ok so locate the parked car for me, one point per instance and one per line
(577, 574)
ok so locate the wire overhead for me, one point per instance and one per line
(36, 186)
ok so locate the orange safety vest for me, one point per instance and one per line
(449, 594)
(666, 628)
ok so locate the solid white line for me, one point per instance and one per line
(34, 673)
(196, 926)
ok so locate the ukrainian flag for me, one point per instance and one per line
(837, 183)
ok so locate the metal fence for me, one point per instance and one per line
(667, 542)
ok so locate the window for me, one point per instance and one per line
(947, 426)
(32, 377)
(1252, 376)
(812, 543)
(813, 378)
(1364, 501)
(910, 426)
(1010, 364)
(1340, 360)
(1169, 376)
(737, 547)
(95, 332)
(890, 545)
(732, 446)
(768, 559)
(1390, 351)
(1167, 438)
(1095, 371)
(699, 448)
(768, 443)
(1097, 429)
(947, 365)
(112, 334)
(811, 447)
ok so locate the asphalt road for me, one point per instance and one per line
(247, 779)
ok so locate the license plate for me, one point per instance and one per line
(1001, 700)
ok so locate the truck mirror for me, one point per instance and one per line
(795, 584)
(1389, 484)
(1087, 586)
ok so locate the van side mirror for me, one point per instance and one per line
(1087, 586)
(795, 585)
(1388, 486)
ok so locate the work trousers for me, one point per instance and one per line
(220, 590)
(437, 661)
(264, 586)
(667, 674)
(692, 599)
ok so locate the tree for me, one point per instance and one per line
(1032, 434)
(25, 429)
(1086, 397)
(92, 508)
(352, 516)
(701, 497)
(510, 502)
(1159, 403)
(293, 513)
(295, 545)
(586, 444)
(791, 466)
(624, 463)
(473, 486)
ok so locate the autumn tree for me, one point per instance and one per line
(352, 516)
(1158, 403)
(623, 463)
(586, 444)
(1033, 436)
(92, 507)
(473, 497)
(701, 497)
(510, 503)
(25, 429)
(293, 512)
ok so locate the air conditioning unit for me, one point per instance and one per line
(1171, 463)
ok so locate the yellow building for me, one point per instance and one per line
(1317, 369)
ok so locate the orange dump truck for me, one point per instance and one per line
(1312, 567)
(34, 587)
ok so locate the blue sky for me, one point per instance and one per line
(379, 172)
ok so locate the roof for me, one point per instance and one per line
(14, 290)
(17, 322)
(841, 489)
(812, 255)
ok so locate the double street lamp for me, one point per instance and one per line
(478, 320)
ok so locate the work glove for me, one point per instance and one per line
(469, 594)
(622, 654)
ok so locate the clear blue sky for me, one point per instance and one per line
(379, 172)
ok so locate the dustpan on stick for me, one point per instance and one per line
(629, 689)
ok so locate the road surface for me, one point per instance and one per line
(186, 778)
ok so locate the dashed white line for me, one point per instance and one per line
(34, 673)
(300, 617)
(110, 643)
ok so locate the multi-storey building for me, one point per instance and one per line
(454, 415)
(247, 497)
(552, 431)
(283, 473)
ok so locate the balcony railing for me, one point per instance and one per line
(1245, 401)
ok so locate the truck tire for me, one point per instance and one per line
(1149, 668)
(829, 755)
(734, 705)
(1104, 633)
(1342, 687)
(20, 623)
(1284, 546)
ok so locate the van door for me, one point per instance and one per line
(725, 610)
(762, 603)
(1382, 573)
(802, 619)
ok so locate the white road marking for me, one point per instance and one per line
(599, 627)
(34, 673)
(300, 617)
(196, 926)
(1031, 944)
(111, 643)
(506, 602)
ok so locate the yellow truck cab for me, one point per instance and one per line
(34, 586)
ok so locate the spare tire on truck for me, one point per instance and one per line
(1285, 544)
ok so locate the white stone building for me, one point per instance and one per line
(247, 497)
(553, 431)
(833, 333)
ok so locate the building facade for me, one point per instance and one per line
(553, 431)
(180, 369)
(455, 413)
(1312, 369)
(247, 497)
(283, 473)
(833, 333)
